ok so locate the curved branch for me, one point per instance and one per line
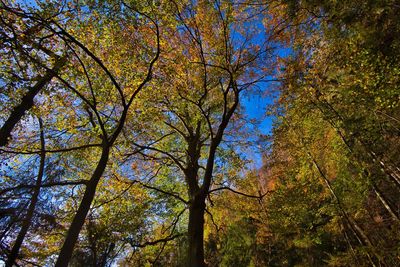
(260, 196)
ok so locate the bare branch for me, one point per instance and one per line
(29, 186)
(155, 242)
(260, 196)
(50, 151)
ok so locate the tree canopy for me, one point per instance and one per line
(129, 138)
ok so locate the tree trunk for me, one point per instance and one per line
(80, 216)
(387, 170)
(32, 205)
(27, 102)
(359, 233)
(385, 203)
(196, 232)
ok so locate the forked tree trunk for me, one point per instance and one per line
(196, 232)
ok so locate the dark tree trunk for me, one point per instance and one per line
(27, 102)
(104, 257)
(32, 205)
(196, 232)
(80, 216)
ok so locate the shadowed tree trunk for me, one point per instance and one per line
(31, 209)
(27, 102)
(198, 194)
(79, 219)
(196, 231)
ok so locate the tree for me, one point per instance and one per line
(328, 128)
(212, 58)
(109, 135)
(107, 124)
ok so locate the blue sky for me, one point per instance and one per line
(256, 105)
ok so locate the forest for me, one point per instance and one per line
(196, 133)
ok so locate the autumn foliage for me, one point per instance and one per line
(128, 135)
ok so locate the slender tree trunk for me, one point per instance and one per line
(385, 203)
(346, 236)
(363, 238)
(80, 216)
(31, 209)
(389, 172)
(196, 232)
(106, 254)
(27, 102)
(356, 229)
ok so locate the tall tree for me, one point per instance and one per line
(328, 128)
(102, 99)
(108, 133)
(211, 59)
